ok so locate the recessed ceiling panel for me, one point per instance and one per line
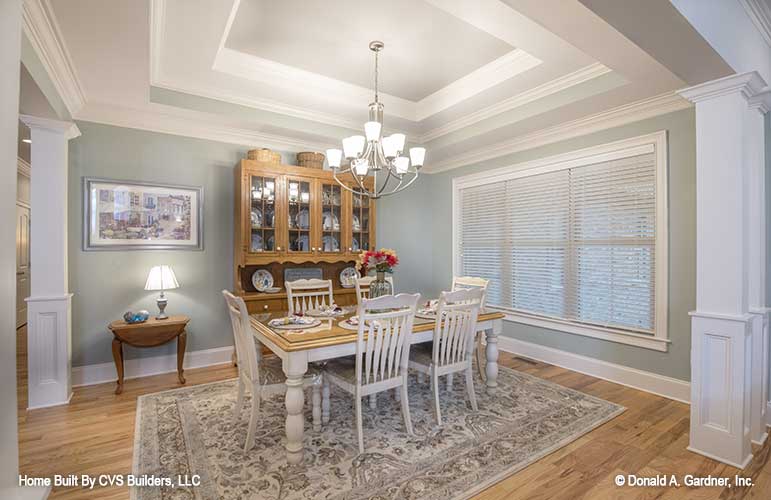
(425, 48)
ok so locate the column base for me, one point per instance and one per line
(760, 351)
(49, 356)
(721, 363)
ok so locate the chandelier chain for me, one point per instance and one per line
(377, 53)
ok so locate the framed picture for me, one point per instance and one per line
(130, 215)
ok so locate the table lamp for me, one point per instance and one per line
(161, 278)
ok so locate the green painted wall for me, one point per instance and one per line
(106, 284)
(434, 248)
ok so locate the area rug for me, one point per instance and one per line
(188, 431)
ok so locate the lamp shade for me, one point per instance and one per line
(161, 278)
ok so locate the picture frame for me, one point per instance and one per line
(134, 215)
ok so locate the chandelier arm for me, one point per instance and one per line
(380, 191)
(402, 188)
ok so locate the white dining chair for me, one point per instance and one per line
(466, 283)
(261, 376)
(362, 287)
(382, 354)
(303, 295)
(453, 345)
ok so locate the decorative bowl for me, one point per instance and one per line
(131, 317)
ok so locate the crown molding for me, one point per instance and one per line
(68, 129)
(23, 168)
(621, 115)
(747, 84)
(42, 30)
(157, 27)
(552, 87)
(760, 15)
(761, 102)
(174, 121)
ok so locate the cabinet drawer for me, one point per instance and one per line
(266, 305)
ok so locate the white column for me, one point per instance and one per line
(49, 338)
(722, 328)
(760, 104)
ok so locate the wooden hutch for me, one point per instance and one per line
(288, 216)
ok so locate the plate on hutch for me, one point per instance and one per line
(348, 277)
(262, 280)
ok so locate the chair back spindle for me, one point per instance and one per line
(304, 295)
(248, 349)
(454, 335)
(384, 336)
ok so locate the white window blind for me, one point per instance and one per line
(576, 243)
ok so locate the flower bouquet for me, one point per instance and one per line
(382, 261)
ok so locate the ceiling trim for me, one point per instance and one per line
(760, 15)
(552, 87)
(169, 120)
(23, 167)
(42, 30)
(621, 115)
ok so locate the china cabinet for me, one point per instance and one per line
(295, 217)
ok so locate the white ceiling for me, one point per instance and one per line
(456, 75)
(426, 49)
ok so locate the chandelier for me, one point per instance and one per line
(375, 155)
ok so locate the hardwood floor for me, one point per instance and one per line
(95, 435)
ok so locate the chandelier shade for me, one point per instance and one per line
(373, 155)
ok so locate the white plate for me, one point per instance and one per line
(355, 245)
(330, 222)
(297, 326)
(330, 243)
(303, 243)
(273, 289)
(257, 245)
(318, 313)
(256, 217)
(262, 280)
(356, 224)
(303, 219)
(348, 277)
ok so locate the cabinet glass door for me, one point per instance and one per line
(360, 223)
(262, 214)
(299, 198)
(331, 218)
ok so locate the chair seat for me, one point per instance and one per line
(342, 368)
(422, 353)
(272, 371)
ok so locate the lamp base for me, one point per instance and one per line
(161, 301)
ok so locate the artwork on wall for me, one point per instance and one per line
(130, 215)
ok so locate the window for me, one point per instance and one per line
(575, 242)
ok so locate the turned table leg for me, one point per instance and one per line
(295, 367)
(117, 355)
(181, 343)
(491, 369)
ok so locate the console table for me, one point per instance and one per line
(151, 333)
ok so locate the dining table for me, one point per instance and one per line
(328, 340)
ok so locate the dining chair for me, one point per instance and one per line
(465, 283)
(453, 345)
(382, 354)
(306, 294)
(261, 376)
(362, 286)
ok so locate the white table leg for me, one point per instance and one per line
(295, 366)
(325, 401)
(491, 369)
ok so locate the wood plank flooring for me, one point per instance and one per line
(95, 435)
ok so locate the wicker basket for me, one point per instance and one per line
(264, 155)
(310, 160)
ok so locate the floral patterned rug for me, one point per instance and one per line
(188, 431)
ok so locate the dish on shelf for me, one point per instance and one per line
(268, 219)
(256, 217)
(330, 243)
(355, 244)
(272, 289)
(257, 243)
(262, 280)
(303, 219)
(330, 222)
(348, 277)
(356, 224)
(271, 243)
(302, 243)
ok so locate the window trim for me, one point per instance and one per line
(656, 143)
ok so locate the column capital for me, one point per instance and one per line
(68, 129)
(747, 84)
(761, 102)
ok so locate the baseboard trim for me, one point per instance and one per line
(661, 385)
(51, 405)
(740, 466)
(145, 367)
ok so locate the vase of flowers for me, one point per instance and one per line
(382, 261)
